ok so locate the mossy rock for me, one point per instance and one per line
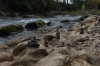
(65, 21)
(82, 18)
(35, 24)
(49, 23)
(7, 30)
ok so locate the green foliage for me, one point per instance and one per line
(75, 7)
(50, 4)
(40, 23)
(38, 5)
(20, 5)
(42, 6)
(83, 7)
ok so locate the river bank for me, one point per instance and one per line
(51, 13)
(27, 33)
(81, 47)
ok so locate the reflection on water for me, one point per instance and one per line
(26, 33)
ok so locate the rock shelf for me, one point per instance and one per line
(78, 50)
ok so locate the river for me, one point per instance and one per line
(26, 33)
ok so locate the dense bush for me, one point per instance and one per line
(42, 6)
(37, 6)
(83, 7)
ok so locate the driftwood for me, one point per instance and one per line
(2, 13)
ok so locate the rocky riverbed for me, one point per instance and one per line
(81, 47)
(4, 21)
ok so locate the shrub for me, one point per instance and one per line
(83, 7)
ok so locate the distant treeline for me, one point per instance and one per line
(42, 6)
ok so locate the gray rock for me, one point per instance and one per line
(33, 43)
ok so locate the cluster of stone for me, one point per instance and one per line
(63, 44)
(33, 42)
(82, 31)
(58, 34)
(46, 42)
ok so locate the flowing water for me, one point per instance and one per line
(26, 33)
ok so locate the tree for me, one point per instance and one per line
(67, 2)
(20, 5)
(38, 5)
(50, 4)
(98, 4)
(91, 4)
(83, 7)
(64, 1)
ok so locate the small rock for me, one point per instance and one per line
(65, 20)
(32, 44)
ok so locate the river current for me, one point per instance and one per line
(26, 33)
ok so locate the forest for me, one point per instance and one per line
(42, 6)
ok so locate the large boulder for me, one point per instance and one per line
(49, 23)
(34, 24)
(82, 18)
(6, 30)
(65, 20)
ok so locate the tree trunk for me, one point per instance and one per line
(67, 1)
(64, 1)
(2, 13)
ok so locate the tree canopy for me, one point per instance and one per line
(41, 6)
